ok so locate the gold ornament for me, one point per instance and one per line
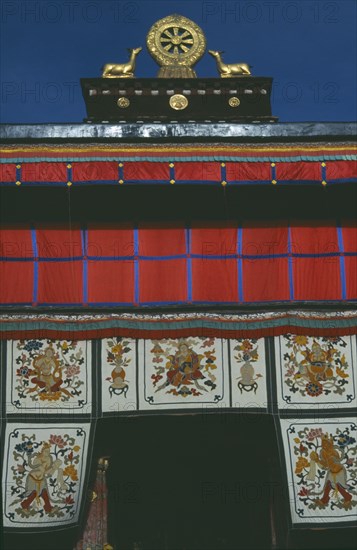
(234, 101)
(123, 102)
(178, 102)
(176, 43)
(123, 70)
(233, 69)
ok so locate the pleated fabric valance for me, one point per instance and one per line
(204, 164)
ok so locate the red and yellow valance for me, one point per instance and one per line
(60, 165)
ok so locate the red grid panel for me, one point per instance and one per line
(111, 281)
(264, 241)
(60, 282)
(247, 171)
(109, 241)
(349, 232)
(317, 278)
(58, 242)
(215, 239)
(265, 280)
(8, 172)
(314, 239)
(44, 171)
(162, 281)
(351, 277)
(16, 243)
(214, 280)
(146, 171)
(153, 241)
(16, 282)
(95, 171)
(341, 169)
(198, 171)
(298, 171)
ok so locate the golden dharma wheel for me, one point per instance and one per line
(176, 43)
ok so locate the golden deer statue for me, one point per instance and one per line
(228, 71)
(124, 70)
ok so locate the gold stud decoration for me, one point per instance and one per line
(234, 101)
(178, 102)
(123, 102)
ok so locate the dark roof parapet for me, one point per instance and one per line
(286, 131)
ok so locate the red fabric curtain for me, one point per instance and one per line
(160, 264)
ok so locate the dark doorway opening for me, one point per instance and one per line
(193, 482)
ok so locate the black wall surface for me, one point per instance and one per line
(168, 203)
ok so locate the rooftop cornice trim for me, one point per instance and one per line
(287, 131)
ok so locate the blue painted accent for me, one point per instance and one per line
(188, 263)
(214, 256)
(69, 175)
(110, 258)
(198, 182)
(172, 171)
(273, 173)
(18, 173)
(323, 173)
(5, 259)
(240, 264)
(136, 266)
(223, 172)
(158, 258)
(120, 172)
(35, 265)
(56, 304)
(178, 182)
(290, 264)
(72, 259)
(181, 257)
(342, 261)
(342, 322)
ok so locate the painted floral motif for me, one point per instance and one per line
(315, 366)
(184, 367)
(325, 468)
(49, 371)
(45, 475)
(118, 358)
(247, 353)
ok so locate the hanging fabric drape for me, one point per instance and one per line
(95, 533)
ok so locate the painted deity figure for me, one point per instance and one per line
(184, 367)
(48, 372)
(42, 466)
(316, 365)
(329, 459)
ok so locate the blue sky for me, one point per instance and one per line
(307, 46)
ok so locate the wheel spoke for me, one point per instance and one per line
(184, 48)
(188, 41)
(186, 33)
(167, 32)
(165, 39)
(168, 47)
(176, 51)
(175, 29)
